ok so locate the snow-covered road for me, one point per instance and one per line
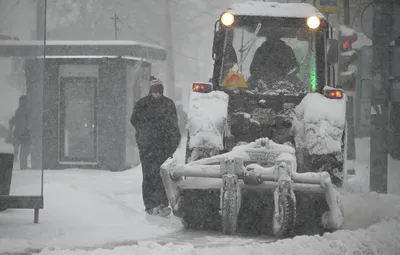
(96, 211)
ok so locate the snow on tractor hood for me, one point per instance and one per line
(274, 9)
(207, 119)
(319, 124)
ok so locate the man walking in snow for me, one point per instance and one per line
(157, 134)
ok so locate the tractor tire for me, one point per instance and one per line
(287, 211)
(229, 213)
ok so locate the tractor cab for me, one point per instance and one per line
(273, 49)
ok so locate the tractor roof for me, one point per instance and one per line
(273, 9)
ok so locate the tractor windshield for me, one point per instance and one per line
(272, 59)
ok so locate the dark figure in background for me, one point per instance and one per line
(273, 61)
(157, 134)
(19, 133)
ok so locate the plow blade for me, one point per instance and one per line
(235, 196)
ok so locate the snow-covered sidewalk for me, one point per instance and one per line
(85, 209)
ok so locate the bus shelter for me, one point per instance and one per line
(80, 97)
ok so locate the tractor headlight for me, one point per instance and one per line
(227, 19)
(313, 22)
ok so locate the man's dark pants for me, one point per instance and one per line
(152, 187)
(24, 146)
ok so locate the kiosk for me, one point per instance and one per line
(88, 95)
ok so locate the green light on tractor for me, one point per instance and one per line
(313, 74)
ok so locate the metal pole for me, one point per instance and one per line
(170, 84)
(241, 52)
(346, 12)
(44, 80)
(39, 19)
(382, 23)
(36, 88)
(115, 18)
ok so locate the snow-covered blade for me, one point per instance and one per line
(207, 118)
(262, 149)
(233, 167)
(319, 124)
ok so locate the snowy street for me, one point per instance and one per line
(99, 212)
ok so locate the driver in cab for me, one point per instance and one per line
(273, 61)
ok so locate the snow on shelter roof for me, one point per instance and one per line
(10, 48)
(87, 56)
(273, 9)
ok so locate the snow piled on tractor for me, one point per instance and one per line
(207, 119)
(319, 124)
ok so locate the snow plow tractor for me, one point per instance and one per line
(266, 141)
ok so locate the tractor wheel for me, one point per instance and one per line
(284, 224)
(229, 213)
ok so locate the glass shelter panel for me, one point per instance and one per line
(21, 99)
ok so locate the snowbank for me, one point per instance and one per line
(320, 124)
(365, 210)
(207, 119)
(361, 181)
